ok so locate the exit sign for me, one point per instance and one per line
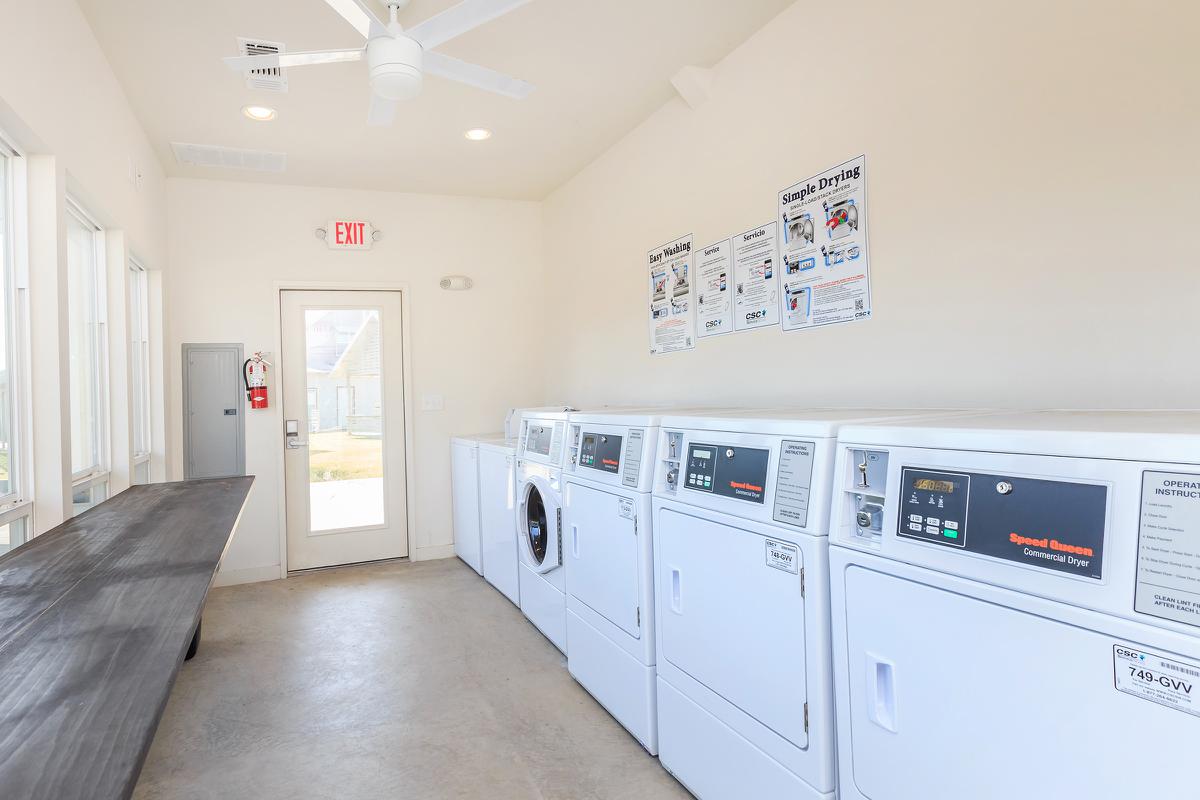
(349, 234)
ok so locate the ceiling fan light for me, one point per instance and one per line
(395, 67)
(478, 134)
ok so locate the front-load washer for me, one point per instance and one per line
(464, 492)
(608, 544)
(1024, 619)
(540, 451)
(740, 515)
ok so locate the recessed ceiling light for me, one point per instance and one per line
(259, 113)
(478, 134)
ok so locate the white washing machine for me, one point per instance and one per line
(464, 491)
(1022, 619)
(609, 557)
(740, 514)
(498, 516)
(541, 448)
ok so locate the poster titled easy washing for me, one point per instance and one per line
(672, 312)
(825, 276)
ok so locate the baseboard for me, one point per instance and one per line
(233, 577)
(434, 552)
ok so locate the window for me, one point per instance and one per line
(139, 368)
(88, 374)
(314, 410)
(15, 502)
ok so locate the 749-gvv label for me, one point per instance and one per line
(1161, 680)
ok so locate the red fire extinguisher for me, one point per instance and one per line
(254, 374)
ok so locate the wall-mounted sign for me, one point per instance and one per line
(672, 312)
(349, 234)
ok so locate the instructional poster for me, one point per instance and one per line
(823, 243)
(714, 290)
(672, 312)
(756, 279)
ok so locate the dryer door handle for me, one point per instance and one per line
(881, 692)
(676, 591)
(575, 540)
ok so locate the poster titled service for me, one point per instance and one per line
(756, 278)
(714, 290)
(672, 312)
(826, 277)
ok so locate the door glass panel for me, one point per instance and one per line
(345, 410)
(535, 524)
(13, 534)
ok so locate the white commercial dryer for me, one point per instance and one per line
(1016, 607)
(740, 513)
(609, 564)
(540, 451)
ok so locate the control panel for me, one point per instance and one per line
(543, 440)
(737, 472)
(600, 451)
(1049, 524)
(865, 488)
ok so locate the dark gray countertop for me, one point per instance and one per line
(95, 618)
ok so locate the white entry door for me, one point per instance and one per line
(345, 466)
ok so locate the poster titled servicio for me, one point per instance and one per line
(826, 277)
(672, 312)
(756, 273)
(714, 292)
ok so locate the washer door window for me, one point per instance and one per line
(537, 529)
(538, 521)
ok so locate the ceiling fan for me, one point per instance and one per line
(397, 58)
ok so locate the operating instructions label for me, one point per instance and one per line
(793, 482)
(1168, 574)
(1158, 679)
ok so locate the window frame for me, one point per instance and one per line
(139, 339)
(100, 471)
(14, 268)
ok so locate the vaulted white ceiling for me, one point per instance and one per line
(600, 67)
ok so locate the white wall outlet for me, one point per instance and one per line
(432, 402)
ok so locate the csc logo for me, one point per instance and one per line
(713, 323)
(753, 315)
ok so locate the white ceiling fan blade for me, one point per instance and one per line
(244, 63)
(382, 112)
(459, 19)
(489, 80)
(359, 15)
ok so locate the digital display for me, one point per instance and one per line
(702, 453)
(931, 485)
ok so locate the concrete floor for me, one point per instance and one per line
(386, 681)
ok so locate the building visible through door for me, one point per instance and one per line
(343, 404)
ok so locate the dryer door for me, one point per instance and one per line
(984, 701)
(538, 526)
(601, 541)
(731, 620)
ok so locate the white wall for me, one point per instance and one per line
(62, 106)
(1032, 181)
(232, 243)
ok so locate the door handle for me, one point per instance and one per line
(295, 444)
(676, 588)
(575, 540)
(881, 692)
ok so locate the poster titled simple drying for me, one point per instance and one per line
(672, 312)
(823, 246)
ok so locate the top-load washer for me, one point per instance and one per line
(740, 513)
(465, 497)
(608, 543)
(541, 448)
(1022, 620)
(498, 516)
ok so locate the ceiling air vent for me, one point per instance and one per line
(273, 79)
(206, 155)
